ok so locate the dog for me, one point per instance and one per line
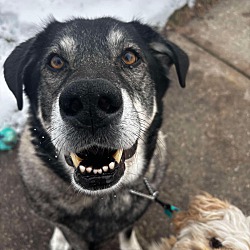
(209, 223)
(95, 89)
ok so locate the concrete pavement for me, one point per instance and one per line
(207, 125)
(207, 128)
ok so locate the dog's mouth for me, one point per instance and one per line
(99, 168)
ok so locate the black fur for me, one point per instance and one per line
(91, 51)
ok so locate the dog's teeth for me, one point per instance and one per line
(89, 169)
(111, 165)
(82, 168)
(118, 155)
(105, 168)
(99, 171)
(76, 160)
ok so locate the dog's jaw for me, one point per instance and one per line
(125, 153)
(99, 168)
(132, 171)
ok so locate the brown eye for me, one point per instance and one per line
(56, 62)
(129, 58)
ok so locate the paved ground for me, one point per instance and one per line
(207, 127)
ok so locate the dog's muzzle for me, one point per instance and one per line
(88, 107)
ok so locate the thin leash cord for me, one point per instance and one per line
(169, 209)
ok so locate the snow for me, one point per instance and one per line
(19, 20)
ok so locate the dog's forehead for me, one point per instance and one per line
(94, 35)
(68, 43)
(115, 37)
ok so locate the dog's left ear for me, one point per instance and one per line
(165, 51)
(14, 69)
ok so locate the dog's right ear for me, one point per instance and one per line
(14, 69)
(165, 51)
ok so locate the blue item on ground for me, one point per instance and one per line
(8, 139)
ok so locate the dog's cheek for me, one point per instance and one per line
(144, 97)
(135, 165)
(49, 89)
(146, 111)
(129, 125)
(45, 109)
(57, 130)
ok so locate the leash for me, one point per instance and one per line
(169, 209)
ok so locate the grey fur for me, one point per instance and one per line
(92, 51)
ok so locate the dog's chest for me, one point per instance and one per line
(107, 216)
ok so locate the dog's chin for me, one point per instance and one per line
(98, 169)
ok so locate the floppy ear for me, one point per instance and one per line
(14, 69)
(165, 51)
(176, 55)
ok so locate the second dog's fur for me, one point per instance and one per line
(209, 223)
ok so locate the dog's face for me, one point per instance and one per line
(96, 88)
(211, 224)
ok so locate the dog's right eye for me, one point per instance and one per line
(56, 62)
(130, 58)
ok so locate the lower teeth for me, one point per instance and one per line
(89, 169)
(105, 168)
(102, 170)
(79, 163)
(82, 168)
(112, 165)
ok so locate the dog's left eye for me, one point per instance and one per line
(56, 62)
(130, 58)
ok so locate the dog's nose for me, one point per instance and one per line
(91, 103)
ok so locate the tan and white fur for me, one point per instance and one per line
(209, 223)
